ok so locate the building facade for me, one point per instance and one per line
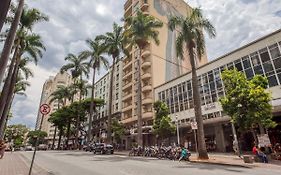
(159, 63)
(50, 86)
(102, 87)
(259, 57)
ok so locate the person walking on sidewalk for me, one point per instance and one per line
(2, 148)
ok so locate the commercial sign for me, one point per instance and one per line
(263, 140)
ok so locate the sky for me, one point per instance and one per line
(237, 23)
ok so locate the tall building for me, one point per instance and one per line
(261, 57)
(49, 87)
(159, 63)
(102, 92)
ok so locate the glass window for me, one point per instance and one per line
(246, 62)
(191, 104)
(214, 97)
(219, 83)
(275, 52)
(212, 86)
(205, 79)
(277, 63)
(258, 70)
(249, 73)
(255, 59)
(267, 67)
(230, 65)
(188, 85)
(272, 81)
(238, 65)
(210, 76)
(264, 55)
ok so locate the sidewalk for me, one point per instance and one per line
(224, 159)
(16, 164)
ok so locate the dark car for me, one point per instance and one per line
(89, 148)
(103, 148)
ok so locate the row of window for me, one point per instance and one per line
(266, 62)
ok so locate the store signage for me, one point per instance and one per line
(263, 140)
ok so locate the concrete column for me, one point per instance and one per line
(220, 143)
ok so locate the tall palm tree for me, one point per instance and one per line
(113, 41)
(78, 67)
(4, 8)
(32, 47)
(191, 37)
(10, 40)
(143, 28)
(97, 60)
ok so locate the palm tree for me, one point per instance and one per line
(113, 41)
(97, 60)
(10, 40)
(31, 46)
(78, 67)
(4, 8)
(191, 37)
(142, 29)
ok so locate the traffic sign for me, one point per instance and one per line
(193, 125)
(45, 109)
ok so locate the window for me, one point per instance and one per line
(279, 77)
(274, 51)
(249, 73)
(116, 96)
(264, 55)
(210, 76)
(255, 59)
(230, 65)
(258, 70)
(277, 63)
(268, 67)
(272, 81)
(238, 65)
(246, 62)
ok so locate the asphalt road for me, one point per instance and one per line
(82, 163)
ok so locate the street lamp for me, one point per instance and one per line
(178, 134)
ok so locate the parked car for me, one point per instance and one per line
(103, 148)
(28, 148)
(42, 147)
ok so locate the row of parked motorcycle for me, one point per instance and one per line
(161, 152)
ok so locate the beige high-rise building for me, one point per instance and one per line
(159, 63)
(49, 87)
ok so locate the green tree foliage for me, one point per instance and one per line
(117, 129)
(247, 101)
(16, 134)
(33, 135)
(163, 126)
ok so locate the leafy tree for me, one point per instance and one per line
(143, 28)
(118, 130)
(97, 60)
(163, 126)
(16, 134)
(113, 42)
(33, 135)
(190, 38)
(246, 101)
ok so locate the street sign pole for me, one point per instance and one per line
(44, 109)
(195, 140)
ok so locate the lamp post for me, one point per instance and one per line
(178, 134)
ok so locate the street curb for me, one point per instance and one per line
(223, 164)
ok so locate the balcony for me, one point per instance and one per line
(127, 108)
(144, 5)
(127, 4)
(126, 86)
(147, 114)
(146, 75)
(147, 100)
(127, 74)
(146, 52)
(147, 88)
(127, 64)
(127, 96)
(146, 64)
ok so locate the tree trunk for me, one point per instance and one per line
(139, 136)
(91, 108)
(55, 134)
(6, 113)
(109, 137)
(68, 132)
(254, 136)
(59, 141)
(78, 119)
(10, 41)
(7, 86)
(4, 8)
(202, 151)
(10, 95)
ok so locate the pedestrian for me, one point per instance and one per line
(262, 156)
(183, 154)
(2, 148)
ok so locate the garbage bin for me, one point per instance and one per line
(248, 159)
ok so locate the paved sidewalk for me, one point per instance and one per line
(225, 159)
(16, 164)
